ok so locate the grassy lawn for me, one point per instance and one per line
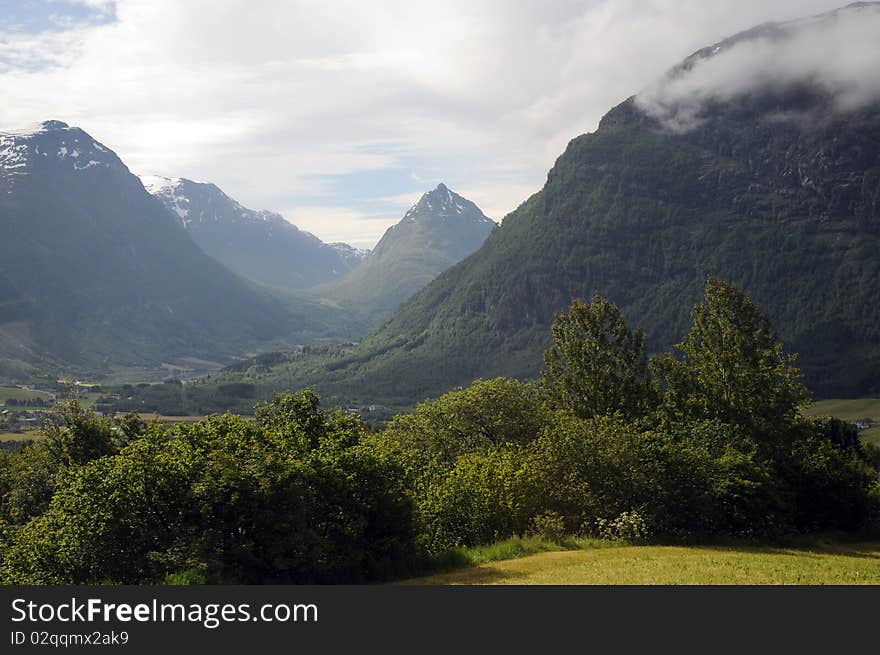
(851, 410)
(700, 565)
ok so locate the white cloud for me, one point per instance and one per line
(317, 106)
(333, 224)
(839, 54)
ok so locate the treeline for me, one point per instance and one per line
(173, 398)
(28, 402)
(236, 388)
(609, 443)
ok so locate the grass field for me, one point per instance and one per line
(21, 436)
(694, 565)
(21, 394)
(851, 410)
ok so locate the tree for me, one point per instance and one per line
(225, 499)
(596, 366)
(733, 368)
(296, 417)
(489, 413)
(80, 436)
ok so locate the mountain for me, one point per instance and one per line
(440, 230)
(259, 245)
(769, 178)
(350, 255)
(98, 275)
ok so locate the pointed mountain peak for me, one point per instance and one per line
(442, 203)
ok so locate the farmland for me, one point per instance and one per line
(852, 410)
(21, 394)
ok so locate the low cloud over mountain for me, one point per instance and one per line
(802, 54)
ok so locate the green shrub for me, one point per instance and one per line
(549, 526)
(830, 486)
(482, 499)
(682, 481)
(299, 497)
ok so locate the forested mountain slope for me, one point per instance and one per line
(772, 181)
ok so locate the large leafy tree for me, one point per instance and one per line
(486, 414)
(733, 369)
(597, 365)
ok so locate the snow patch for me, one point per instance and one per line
(13, 154)
(79, 166)
(155, 184)
(168, 190)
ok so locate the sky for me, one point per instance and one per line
(339, 114)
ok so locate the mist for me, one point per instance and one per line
(837, 54)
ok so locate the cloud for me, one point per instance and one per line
(334, 224)
(333, 107)
(838, 55)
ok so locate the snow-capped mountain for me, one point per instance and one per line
(96, 273)
(441, 221)
(440, 230)
(442, 204)
(51, 146)
(258, 244)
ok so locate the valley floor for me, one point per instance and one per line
(857, 563)
(865, 410)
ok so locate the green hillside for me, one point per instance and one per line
(642, 216)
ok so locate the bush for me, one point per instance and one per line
(681, 481)
(549, 526)
(487, 414)
(299, 498)
(830, 486)
(629, 527)
(483, 498)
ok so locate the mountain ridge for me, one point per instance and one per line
(258, 244)
(99, 275)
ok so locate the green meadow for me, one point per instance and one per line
(595, 564)
(851, 410)
(21, 394)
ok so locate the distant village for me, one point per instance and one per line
(20, 415)
(25, 409)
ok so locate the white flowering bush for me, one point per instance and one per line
(628, 526)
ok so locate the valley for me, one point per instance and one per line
(661, 367)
